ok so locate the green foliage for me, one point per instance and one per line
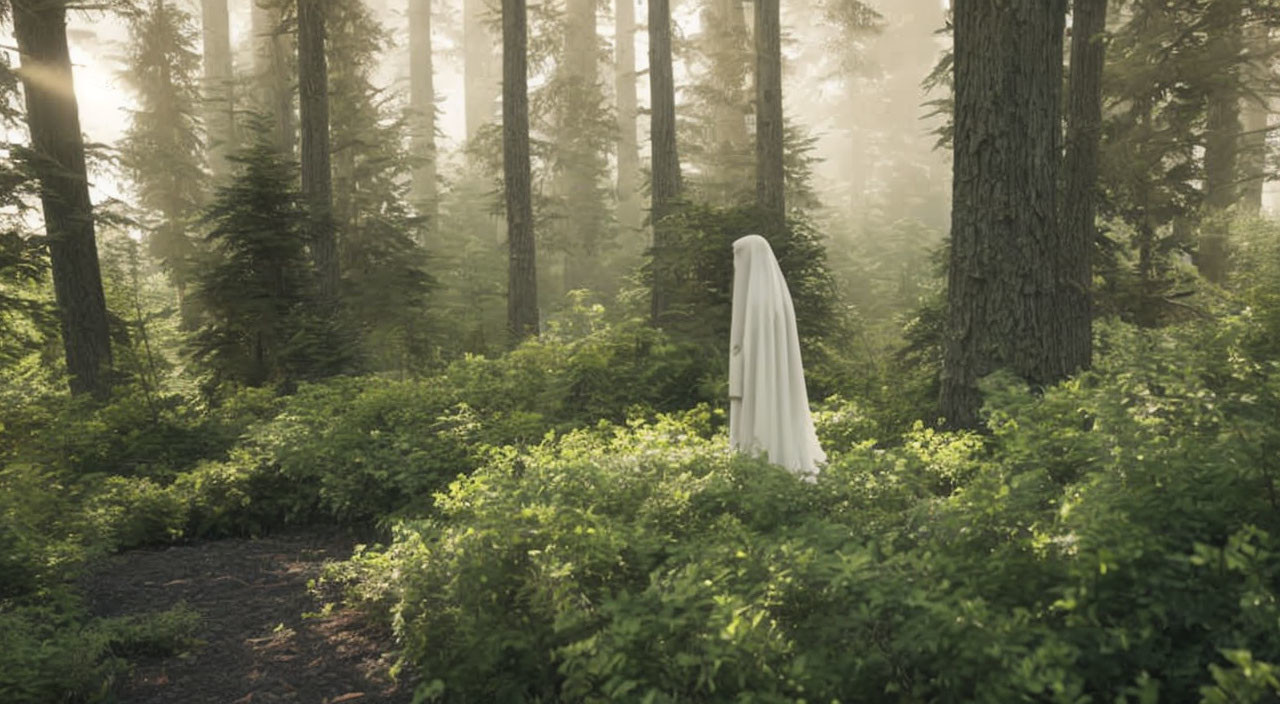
(162, 150)
(385, 279)
(1111, 539)
(52, 653)
(360, 449)
(261, 324)
(701, 260)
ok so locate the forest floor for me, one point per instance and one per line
(254, 643)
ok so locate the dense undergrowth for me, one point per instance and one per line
(1113, 539)
(565, 523)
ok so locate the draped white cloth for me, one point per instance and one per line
(768, 402)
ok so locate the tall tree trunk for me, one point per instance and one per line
(628, 192)
(317, 178)
(1080, 166)
(273, 69)
(1222, 137)
(1254, 111)
(666, 183)
(422, 102)
(770, 179)
(40, 27)
(1004, 297)
(219, 98)
(580, 161)
(730, 53)
(478, 66)
(522, 279)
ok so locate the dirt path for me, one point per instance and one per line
(256, 647)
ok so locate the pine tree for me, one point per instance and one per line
(58, 158)
(262, 322)
(582, 132)
(275, 68)
(1003, 276)
(422, 103)
(218, 88)
(522, 284)
(628, 192)
(666, 183)
(384, 280)
(317, 177)
(1222, 134)
(1080, 170)
(482, 78)
(770, 172)
(162, 148)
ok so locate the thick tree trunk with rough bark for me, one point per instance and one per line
(666, 183)
(317, 177)
(54, 121)
(522, 279)
(479, 59)
(1222, 138)
(628, 188)
(1080, 168)
(219, 95)
(770, 179)
(1005, 304)
(422, 102)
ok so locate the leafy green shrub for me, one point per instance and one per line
(1111, 539)
(52, 653)
(128, 512)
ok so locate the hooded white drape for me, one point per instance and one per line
(768, 402)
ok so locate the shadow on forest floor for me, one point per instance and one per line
(254, 644)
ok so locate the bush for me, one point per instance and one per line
(1111, 539)
(52, 653)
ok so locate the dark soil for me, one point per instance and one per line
(254, 645)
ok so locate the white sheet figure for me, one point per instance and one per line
(768, 403)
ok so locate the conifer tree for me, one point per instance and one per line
(317, 176)
(522, 283)
(1006, 253)
(384, 279)
(628, 192)
(582, 134)
(422, 103)
(262, 322)
(218, 88)
(53, 121)
(666, 184)
(162, 148)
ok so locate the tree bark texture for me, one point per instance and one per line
(481, 78)
(1004, 304)
(770, 179)
(628, 187)
(522, 280)
(422, 102)
(1080, 167)
(666, 186)
(219, 95)
(317, 177)
(54, 122)
(1222, 137)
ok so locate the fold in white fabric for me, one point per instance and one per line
(768, 402)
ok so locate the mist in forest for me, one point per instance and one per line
(858, 92)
